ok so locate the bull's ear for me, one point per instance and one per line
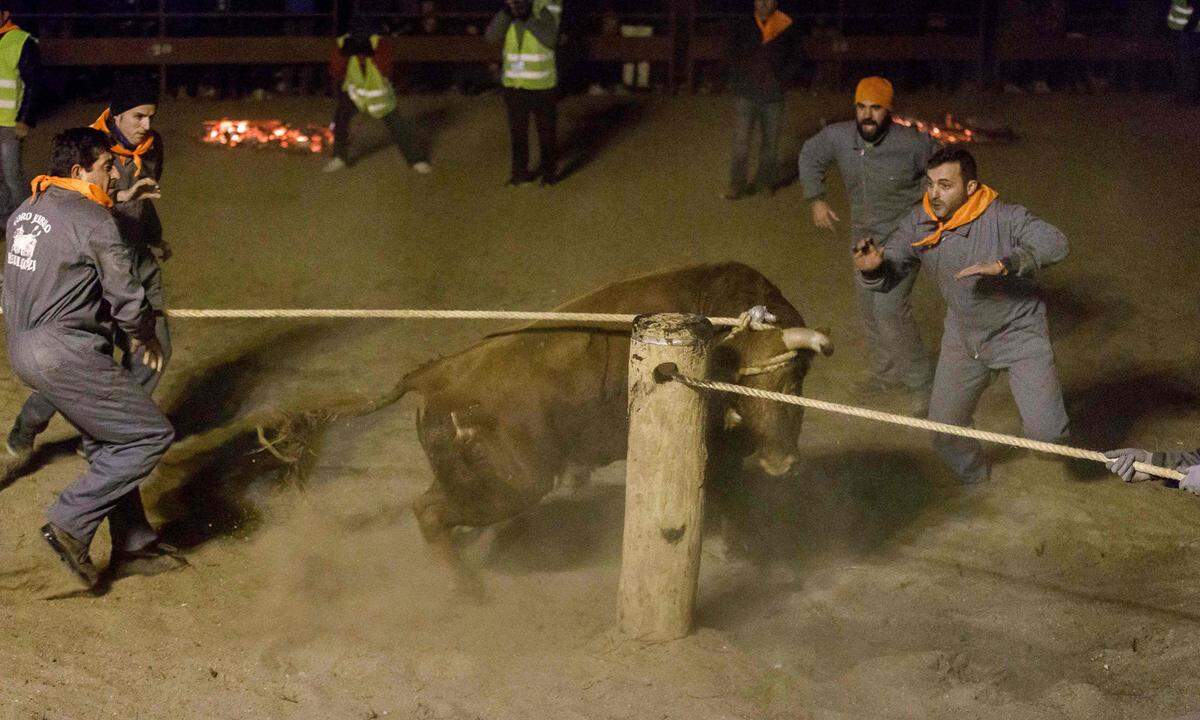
(732, 418)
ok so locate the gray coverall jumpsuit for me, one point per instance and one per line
(140, 228)
(883, 181)
(68, 279)
(992, 323)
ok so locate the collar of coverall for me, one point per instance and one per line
(89, 190)
(970, 211)
(773, 26)
(10, 25)
(118, 148)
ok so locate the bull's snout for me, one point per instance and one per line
(776, 464)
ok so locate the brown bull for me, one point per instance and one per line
(501, 420)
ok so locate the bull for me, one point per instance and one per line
(502, 420)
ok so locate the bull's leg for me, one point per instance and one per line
(437, 517)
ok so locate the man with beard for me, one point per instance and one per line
(68, 280)
(983, 254)
(882, 165)
(138, 159)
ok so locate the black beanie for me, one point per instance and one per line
(129, 91)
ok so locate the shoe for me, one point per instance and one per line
(73, 554)
(548, 180)
(874, 385)
(154, 559)
(334, 165)
(422, 168)
(735, 193)
(519, 180)
(917, 402)
(17, 450)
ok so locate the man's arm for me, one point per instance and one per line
(544, 25)
(120, 283)
(1179, 460)
(497, 28)
(1037, 244)
(29, 66)
(816, 155)
(880, 270)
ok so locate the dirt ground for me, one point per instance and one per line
(869, 585)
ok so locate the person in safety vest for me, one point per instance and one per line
(20, 63)
(138, 158)
(361, 68)
(1184, 20)
(68, 280)
(528, 32)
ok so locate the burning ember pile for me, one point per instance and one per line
(267, 133)
(952, 131)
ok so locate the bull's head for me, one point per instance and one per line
(773, 359)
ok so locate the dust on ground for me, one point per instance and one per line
(865, 585)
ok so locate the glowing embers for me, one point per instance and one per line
(950, 130)
(267, 134)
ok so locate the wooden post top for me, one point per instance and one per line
(672, 329)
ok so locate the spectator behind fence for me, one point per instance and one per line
(528, 33)
(20, 76)
(763, 54)
(1184, 21)
(361, 67)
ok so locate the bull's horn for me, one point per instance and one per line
(802, 338)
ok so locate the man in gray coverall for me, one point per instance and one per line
(983, 253)
(138, 152)
(882, 165)
(68, 279)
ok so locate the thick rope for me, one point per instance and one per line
(906, 421)
(422, 315)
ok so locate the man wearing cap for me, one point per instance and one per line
(20, 64)
(68, 280)
(137, 150)
(984, 254)
(362, 67)
(882, 164)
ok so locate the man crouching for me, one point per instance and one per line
(65, 261)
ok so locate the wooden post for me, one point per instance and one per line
(664, 491)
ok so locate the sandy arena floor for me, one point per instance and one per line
(871, 585)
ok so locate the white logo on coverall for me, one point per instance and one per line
(25, 241)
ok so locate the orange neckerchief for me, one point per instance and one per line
(969, 212)
(88, 190)
(774, 26)
(10, 25)
(120, 150)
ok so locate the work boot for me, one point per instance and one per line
(154, 559)
(871, 385)
(917, 401)
(519, 179)
(334, 165)
(17, 450)
(73, 554)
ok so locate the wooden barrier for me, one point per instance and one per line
(665, 473)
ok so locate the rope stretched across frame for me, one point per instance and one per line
(868, 414)
(311, 313)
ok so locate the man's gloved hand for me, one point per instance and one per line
(1191, 483)
(1121, 463)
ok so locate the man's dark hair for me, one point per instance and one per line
(955, 154)
(77, 146)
